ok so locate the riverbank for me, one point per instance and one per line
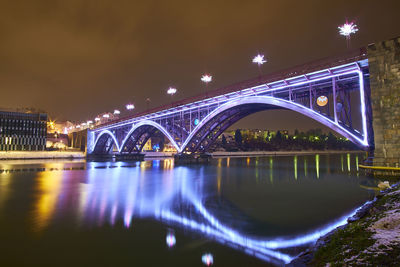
(372, 237)
(8, 155)
(279, 153)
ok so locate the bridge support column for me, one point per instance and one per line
(384, 69)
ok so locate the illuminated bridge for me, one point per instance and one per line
(334, 92)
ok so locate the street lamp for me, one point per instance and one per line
(206, 78)
(130, 106)
(171, 91)
(347, 30)
(259, 60)
(117, 112)
(96, 119)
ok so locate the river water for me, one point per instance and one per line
(259, 211)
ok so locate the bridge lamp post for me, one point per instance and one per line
(117, 112)
(259, 60)
(347, 30)
(206, 78)
(171, 91)
(89, 123)
(130, 106)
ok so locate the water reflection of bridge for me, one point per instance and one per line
(180, 201)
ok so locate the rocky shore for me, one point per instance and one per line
(371, 238)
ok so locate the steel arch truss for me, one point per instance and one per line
(193, 127)
(104, 143)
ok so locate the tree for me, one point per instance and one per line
(238, 137)
(223, 141)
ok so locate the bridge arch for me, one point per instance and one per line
(104, 142)
(234, 110)
(146, 123)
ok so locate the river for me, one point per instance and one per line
(254, 211)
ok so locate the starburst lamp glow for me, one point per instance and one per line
(130, 106)
(259, 59)
(206, 78)
(347, 29)
(171, 91)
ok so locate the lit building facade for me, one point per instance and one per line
(22, 131)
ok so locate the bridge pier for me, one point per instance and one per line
(191, 158)
(384, 69)
(129, 157)
(116, 157)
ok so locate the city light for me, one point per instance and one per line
(97, 119)
(83, 123)
(259, 59)
(171, 240)
(206, 78)
(77, 126)
(322, 101)
(117, 112)
(207, 259)
(171, 91)
(130, 106)
(106, 116)
(89, 122)
(347, 29)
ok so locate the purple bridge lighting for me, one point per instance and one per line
(192, 125)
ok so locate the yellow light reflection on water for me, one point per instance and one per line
(271, 170)
(248, 161)
(348, 161)
(341, 162)
(49, 185)
(357, 164)
(295, 166)
(168, 164)
(317, 165)
(228, 161)
(305, 167)
(144, 165)
(4, 187)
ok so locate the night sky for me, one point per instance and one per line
(76, 59)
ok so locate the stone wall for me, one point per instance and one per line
(384, 69)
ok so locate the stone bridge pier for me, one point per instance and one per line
(384, 69)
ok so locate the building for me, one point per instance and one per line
(22, 131)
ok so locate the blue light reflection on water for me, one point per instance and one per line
(131, 193)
